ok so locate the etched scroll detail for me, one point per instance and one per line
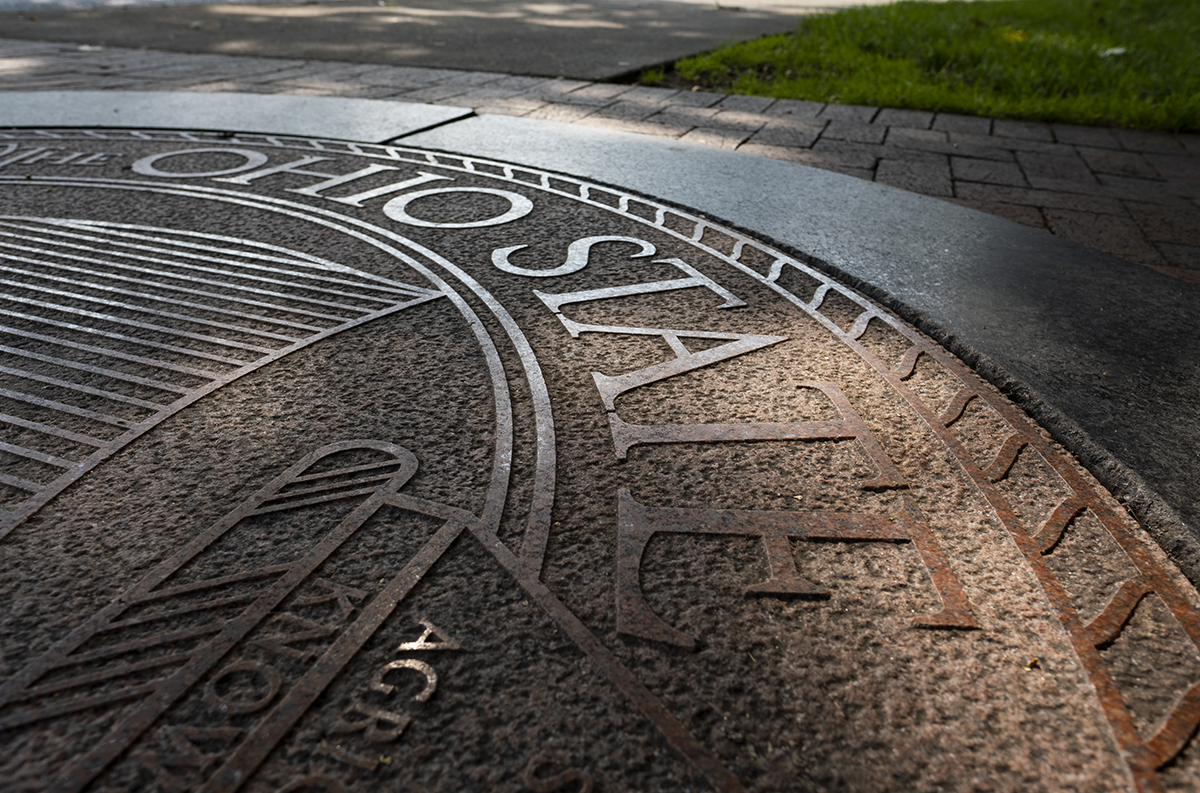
(108, 328)
(638, 523)
(345, 483)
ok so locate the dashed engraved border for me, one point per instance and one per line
(1154, 575)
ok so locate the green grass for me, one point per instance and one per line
(1128, 63)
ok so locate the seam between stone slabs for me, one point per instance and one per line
(734, 122)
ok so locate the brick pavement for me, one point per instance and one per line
(1133, 194)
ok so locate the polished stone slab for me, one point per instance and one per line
(349, 119)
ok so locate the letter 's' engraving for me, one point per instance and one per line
(577, 256)
(555, 302)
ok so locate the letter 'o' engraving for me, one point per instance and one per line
(266, 673)
(145, 166)
(397, 208)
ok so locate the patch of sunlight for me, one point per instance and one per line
(20, 64)
(577, 23)
(315, 11)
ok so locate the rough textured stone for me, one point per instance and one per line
(1026, 130)
(652, 127)
(746, 104)
(928, 177)
(721, 137)
(913, 119)
(635, 111)
(1182, 168)
(786, 133)
(998, 141)
(917, 138)
(855, 114)
(1139, 140)
(1018, 213)
(975, 170)
(1158, 191)
(561, 113)
(853, 155)
(1187, 256)
(1122, 163)
(1176, 223)
(853, 132)
(1051, 170)
(970, 125)
(795, 107)
(393, 520)
(1039, 198)
(1103, 231)
(696, 99)
(1092, 137)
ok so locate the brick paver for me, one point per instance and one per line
(1131, 193)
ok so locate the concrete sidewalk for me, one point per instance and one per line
(592, 40)
(1133, 194)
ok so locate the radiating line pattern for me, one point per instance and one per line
(149, 647)
(108, 328)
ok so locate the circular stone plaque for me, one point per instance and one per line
(340, 467)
